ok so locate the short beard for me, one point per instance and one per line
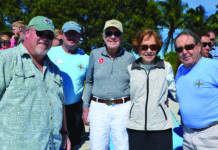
(70, 48)
(41, 53)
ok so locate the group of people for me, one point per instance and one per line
(43, 103)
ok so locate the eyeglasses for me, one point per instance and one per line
(186, 47)
(153, 47)
(212, 39)
(110, 33)
(71, 33)
(204, 44)
(41, 34)
(5, 42)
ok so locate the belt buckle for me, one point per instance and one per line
(109, 103)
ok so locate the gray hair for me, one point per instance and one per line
(190, 33)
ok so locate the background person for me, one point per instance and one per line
(58, 38)
(32, 114)
(151, 82)
(107, 86)
(6, 40)
(214, 49)
(205, 44)
(18, 28)
(73, 63)
(196, 89)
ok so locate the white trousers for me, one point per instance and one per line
(108, 120)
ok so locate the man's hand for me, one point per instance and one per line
(66, 142)
(85, 116)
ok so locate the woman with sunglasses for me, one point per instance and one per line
(151, 83)
(6, 41)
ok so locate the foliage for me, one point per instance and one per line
(173, 18)
(212, 22)
(172, 58)
(195, 19)
(135, 15)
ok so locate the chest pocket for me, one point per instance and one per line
(24, 79)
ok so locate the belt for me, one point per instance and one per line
(200, 129)
(111, 101)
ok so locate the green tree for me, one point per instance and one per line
(172, 58)
(173, 11)
(92, 15)
(212, 22)
(196, 19)
(10, 11)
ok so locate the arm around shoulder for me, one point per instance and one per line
(171, 82)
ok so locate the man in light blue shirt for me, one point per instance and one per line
(73, 63)
(196, 89)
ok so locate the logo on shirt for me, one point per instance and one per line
(80, 66)
(101, 60)
(59, 61)
(199, 83)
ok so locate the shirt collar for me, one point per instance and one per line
(121, 52)
(158, 63)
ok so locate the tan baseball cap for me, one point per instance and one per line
(113, 23)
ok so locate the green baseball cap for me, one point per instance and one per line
(42, 23)
(113, 23)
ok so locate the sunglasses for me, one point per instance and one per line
(5, 42)
(41, 34)
(71, 33)
(186, 47)
(153, 47)
(110, 33)
(204, 44)
(212, 39)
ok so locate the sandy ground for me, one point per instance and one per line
(174, 107)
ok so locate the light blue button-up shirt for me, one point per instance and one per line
(30, 102)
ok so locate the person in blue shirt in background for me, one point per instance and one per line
(73, 63)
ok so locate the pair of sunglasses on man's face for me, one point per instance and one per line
(5, 42)
(110, 33)
(186, 47)
(153, 47)
(191, 46)
(204, 44)
(212, 39)
(41, 34)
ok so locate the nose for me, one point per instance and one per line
(184, 51)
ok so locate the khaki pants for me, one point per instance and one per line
(206, 139)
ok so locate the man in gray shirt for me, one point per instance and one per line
(107, 86)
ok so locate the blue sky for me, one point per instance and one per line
(209, 5)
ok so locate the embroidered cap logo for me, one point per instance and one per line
(47, 21)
